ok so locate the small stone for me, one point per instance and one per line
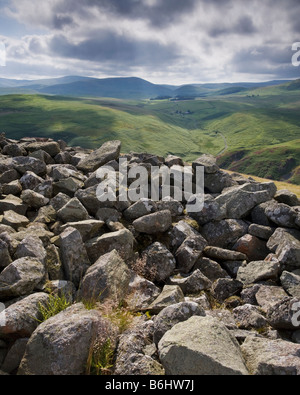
(34, 199)
(171, 294)
(14, 220)
(224, 255)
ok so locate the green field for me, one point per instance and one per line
(255, 132)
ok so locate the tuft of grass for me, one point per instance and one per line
(100, 360)
(55, 305)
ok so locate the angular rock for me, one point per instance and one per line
(248, 317)
(45, 188)
(30, 180)
(223, 288)
(13, 203)
(285, 314)
(121, 240)
(16, 221)
(191, 284)
(209, 162)
(21, 277)
(22, 317)
(131, 354)
(224, 255)
(51, 147)
(258, 214)
(189, 252)
(59, 201)
(258, 271)
(109, 151)
(263, 232)
(25, 163)
(88, 198)
(158, 263)
(254, 248)
(286, 245)
(211, 269)
(265, 357)
(140, 209)
(34, 199)
(211, 211)
(206, 347)
(73, 255)
(73, 211)
(240, 200)
(154, 223)
(31, 246)
(13, 150)
(268, 296)
(8, 176)
(216, 182)
(172, 315)
(287, 197)
(88, 229)
(281, 214)
(108, 215)
(108, 278)
(179, 233)
(225, 233)
(14, 356)
(141, 293)
(171, 294)
(175, 207)
(173, 160)
(68, 186)
(61, 345)
(291, 283)
(13, 188)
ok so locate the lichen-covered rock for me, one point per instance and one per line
(172, 315)
(158, 262)
(158, 222)
(189, 252)
(108, 278)
(21, 277)
(258, 271)
(201, 346)
(265, 357)
(62, 344)
(74, 256)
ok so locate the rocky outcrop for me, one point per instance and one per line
(214, 291)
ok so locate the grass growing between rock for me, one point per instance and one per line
(54, 306)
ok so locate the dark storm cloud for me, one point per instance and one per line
(112, 48)
(268, 59)
(160, 13)
(243, 26)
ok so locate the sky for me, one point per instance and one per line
(163, 41)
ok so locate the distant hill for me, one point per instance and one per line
(129, 88)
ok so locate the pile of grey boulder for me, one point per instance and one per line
(215, 292)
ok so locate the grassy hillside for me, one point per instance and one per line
(256, 132)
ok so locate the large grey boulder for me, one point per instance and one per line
(193, 283)
(20, 319)
(281, 214)
(258, 271)
(238, 201)
(201, 346)
(21, 277)
(73, 255)
(109, 151)
(108, 278)
(216, 182)
(62, 344)
(172, 315)
(158, 222)
(26, 163)
(141, 293)
(171, 294)
(31, 246)
(73, 211)
(265, 357)
(285, 314)
(51, 147)
(181, 231)
(121, 240)
(88, 229)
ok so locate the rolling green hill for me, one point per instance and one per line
(253, 131)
